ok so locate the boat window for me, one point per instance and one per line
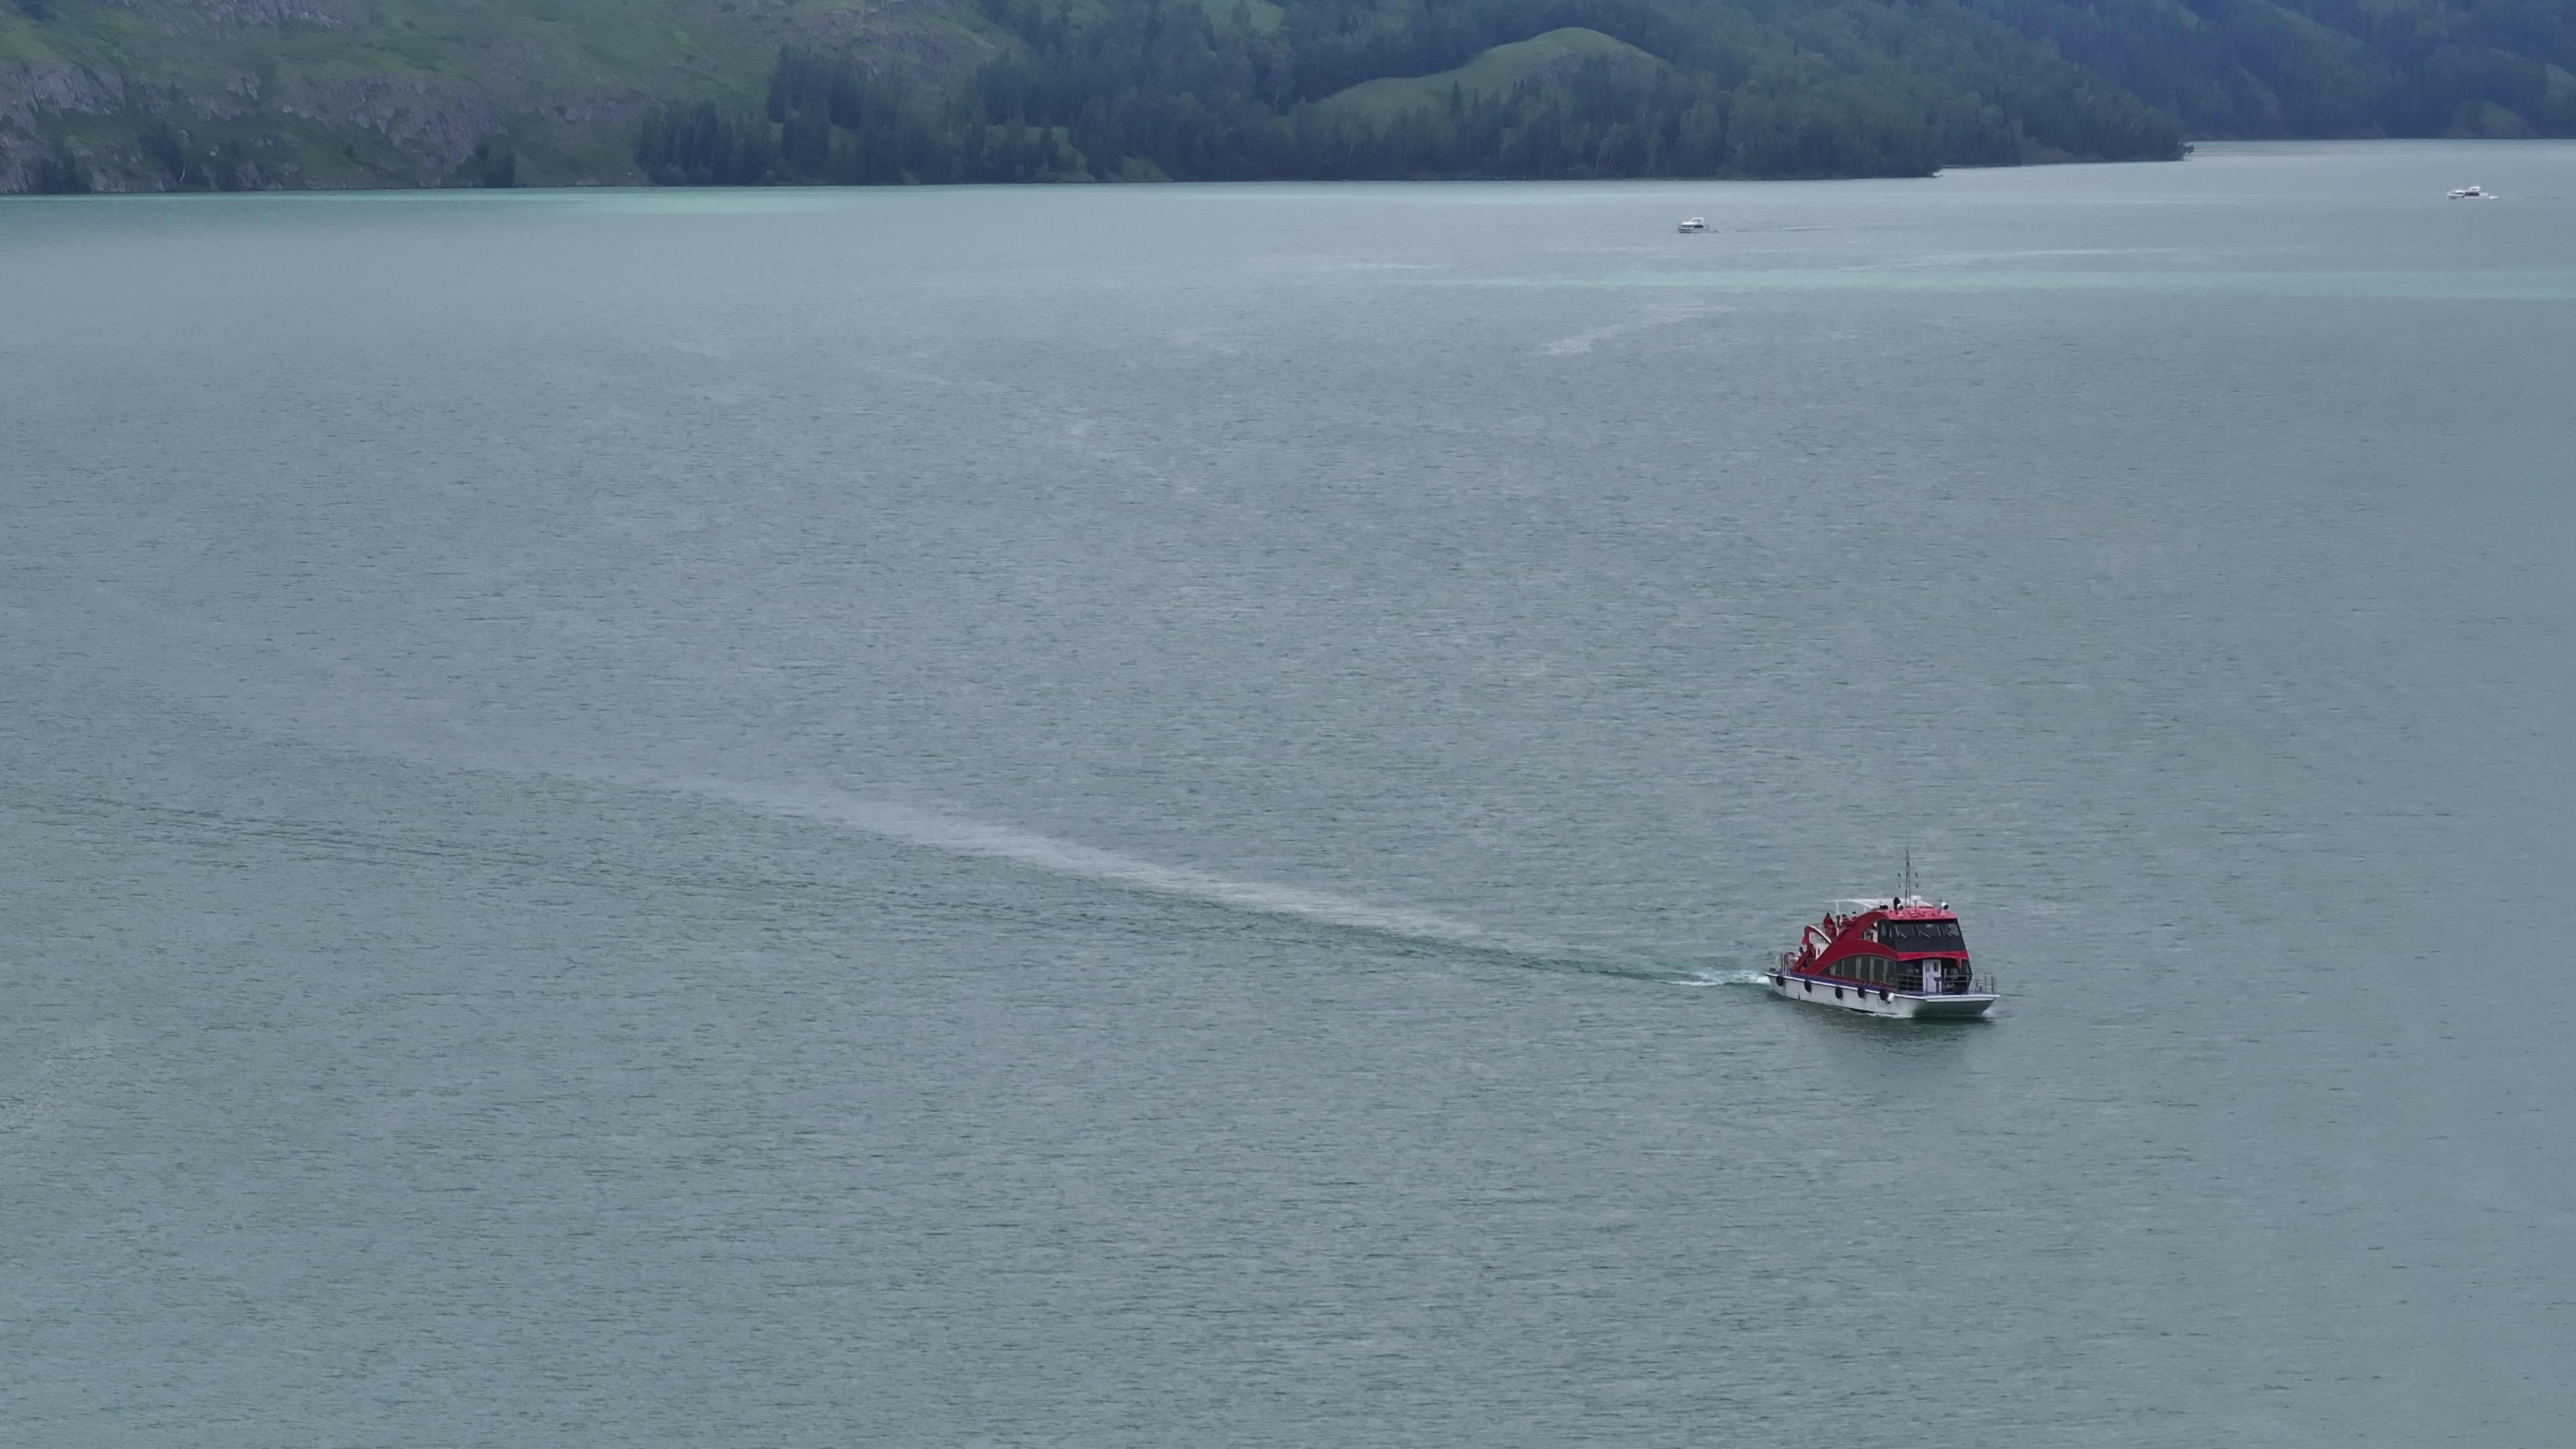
(1864, 968)
(1921, 935)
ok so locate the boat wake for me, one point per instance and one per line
(58, 1084)
(1582, 342)
(932, 830)
(1727, 978)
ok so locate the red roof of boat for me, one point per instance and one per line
(1848, 926)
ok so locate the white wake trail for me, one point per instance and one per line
(992, 842)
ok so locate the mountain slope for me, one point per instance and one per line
(1552, 58)
(1459, 88)
(161, 94)
(2255, 68)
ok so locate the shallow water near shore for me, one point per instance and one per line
(1124, 816)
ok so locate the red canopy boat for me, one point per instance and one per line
(1899, 955)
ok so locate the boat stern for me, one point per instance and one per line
(1959, 1007)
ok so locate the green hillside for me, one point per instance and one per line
(1553, 58)
(166, 93)
(174, 94)
(2326, 67)
(1560, 88)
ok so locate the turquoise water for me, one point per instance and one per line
(1141, 815)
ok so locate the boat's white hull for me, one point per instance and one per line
(1877, 1001)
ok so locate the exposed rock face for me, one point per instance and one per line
(435, 126)
(344, 92)
(26, 90)
(179, 17)
(19, 155)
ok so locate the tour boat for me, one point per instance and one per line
(1897, 955)
(1696, 223)
(2469, 193)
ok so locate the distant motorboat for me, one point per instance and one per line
(2471, 193)
(1696, 223)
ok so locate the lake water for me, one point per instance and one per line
(1140, 816)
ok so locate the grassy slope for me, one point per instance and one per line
(1492, 73)
(376, 92)
(1265, 15)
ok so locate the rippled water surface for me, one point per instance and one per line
(1138, 816)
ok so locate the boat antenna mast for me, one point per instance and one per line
(1906, 892)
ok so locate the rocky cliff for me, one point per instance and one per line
(166, 94)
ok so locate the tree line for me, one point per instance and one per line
(2324, 67)
(1167, 89)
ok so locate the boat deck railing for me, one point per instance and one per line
(1979, 983)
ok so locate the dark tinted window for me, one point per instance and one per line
(1921, 936)
(1862, 968)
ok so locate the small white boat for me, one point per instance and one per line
(2470, 193)
(1696, 223)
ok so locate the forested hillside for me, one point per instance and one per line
(177, 94)
(2326, 67)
